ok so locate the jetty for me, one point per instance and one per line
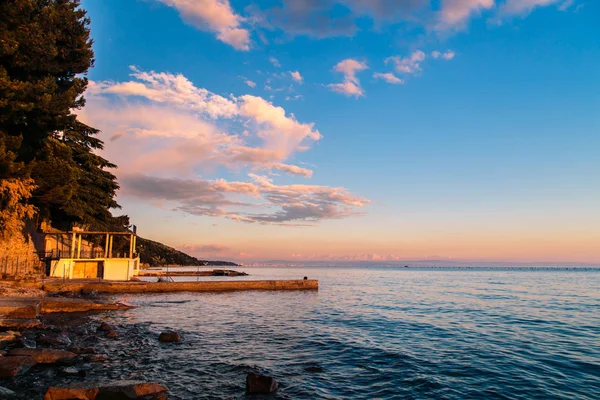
(115, 287)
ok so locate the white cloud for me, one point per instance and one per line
(250, 83)
(447, 55)
(275, 62)
(454, 14)
(408, 65)
(351, 85)
(215, 16)
(388, 77)
(296, 76)
(161, 116)
(522, 7)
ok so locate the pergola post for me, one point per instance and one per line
(79, 247)
(131, 246)
(73, 239)
(110, 246)
(106, 247)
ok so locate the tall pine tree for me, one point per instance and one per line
(45, 52)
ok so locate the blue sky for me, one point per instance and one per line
(354, 129)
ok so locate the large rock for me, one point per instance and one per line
(13, 366)
(19, 323)
(43, 356)
(260, 384)
(105, 327)
(8, 337)
(112, 334)
(71, 393)
(7, 393)
(118, 390)
(132, 390)
(54, 339)
(169, 336)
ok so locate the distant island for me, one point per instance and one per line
(157, 254)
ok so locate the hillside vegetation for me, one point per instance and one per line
(157, 254)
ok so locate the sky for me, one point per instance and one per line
(353, 130)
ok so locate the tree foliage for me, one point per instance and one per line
(45, 52)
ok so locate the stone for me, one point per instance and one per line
(106, 327)
(13, 366)
(314, 369)
(54, 339)
(260, 384)
(71, 393)
(112, 335)
(73, 371)
(7, 393)
(169, 336)
(132, 390)
(117, 390)
(43, 356)
(82, 350)
(95, 357)
(9, 337)
(19, 323)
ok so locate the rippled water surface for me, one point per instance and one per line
(377, 333)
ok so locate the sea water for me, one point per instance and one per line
(375, 333)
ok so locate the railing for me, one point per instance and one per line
(19, 266)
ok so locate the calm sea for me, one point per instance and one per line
(368, 333)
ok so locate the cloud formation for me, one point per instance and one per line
(351, 85)
(296, 76)
(267, 202)
(407, 65)
(168, 131)
(388, 77)
(214, 16)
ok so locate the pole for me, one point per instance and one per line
(79, 247)
(131, 246)
(106, 247)
(110, 247)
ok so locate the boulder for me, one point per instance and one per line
(112, 335)
(82, 350)
(95, 357)
(132, 390)
(118, 390)
(54, 339)
(106, 327)
(43, 356)
(8, 337)
(19, 323)
(260, 384)
(13, 366)
(169, 336)
(73, 371)
(7, 393)
(71, 393)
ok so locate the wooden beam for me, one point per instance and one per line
(79, 247)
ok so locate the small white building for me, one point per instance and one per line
(69, 256)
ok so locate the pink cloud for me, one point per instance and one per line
(215, 16)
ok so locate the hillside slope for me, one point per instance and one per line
(157, 254)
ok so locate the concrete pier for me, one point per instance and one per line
(169, 287)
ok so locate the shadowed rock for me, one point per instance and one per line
(169, 336)
(112, 335)
(54, 339)
(43, 356)
(118, 390)
(260, 384)
(13, 366)
(105, 327)
(7, 393)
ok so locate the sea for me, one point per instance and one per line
(373, 332)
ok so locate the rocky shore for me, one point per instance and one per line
(83, 347)
(50, 345)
